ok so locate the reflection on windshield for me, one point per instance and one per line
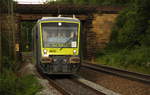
(59, 36)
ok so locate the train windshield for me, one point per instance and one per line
(60, 35)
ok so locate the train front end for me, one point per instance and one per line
(60, 38)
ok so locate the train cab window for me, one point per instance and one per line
(56, 35)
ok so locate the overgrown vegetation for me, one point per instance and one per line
(10, 82)
(130, 40)
(134, 60)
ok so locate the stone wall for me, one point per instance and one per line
(102, 25)
(99, 34)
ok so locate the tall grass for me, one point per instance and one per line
(137, 59)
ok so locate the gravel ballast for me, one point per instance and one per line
(118, 84)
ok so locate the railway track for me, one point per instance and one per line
(61, 89)
(122, 73)
(69, 85)
(53, 83)
(75, 85)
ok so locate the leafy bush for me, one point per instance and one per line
(12, 84)
(132, 26)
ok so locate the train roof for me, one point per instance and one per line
(58, 19)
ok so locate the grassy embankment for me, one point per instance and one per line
(129, 47)
(137, 60)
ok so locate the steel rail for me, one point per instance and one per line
(119, 72)
(85, 86)
(74, 80)
(54, 83)
(59, 88)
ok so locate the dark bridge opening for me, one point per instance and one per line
(26, 35)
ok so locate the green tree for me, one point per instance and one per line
(6, 30)
(131, 28)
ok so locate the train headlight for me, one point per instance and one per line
(59, 24)
(74, 51)
(45, 51)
